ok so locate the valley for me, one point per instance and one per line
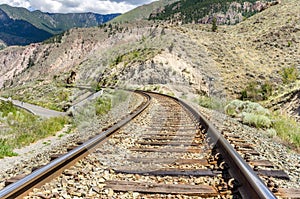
(243, 77)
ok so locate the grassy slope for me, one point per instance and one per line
(20, 128)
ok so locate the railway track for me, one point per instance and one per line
(167, 151)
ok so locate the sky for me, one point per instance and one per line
(77, 6)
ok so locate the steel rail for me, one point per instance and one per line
(22, 186)
(250, 185)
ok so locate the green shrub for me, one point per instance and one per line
(259, 121)
(6, 108)
(238, 107)
(254, 114)
(214, 25)
(211, 102)
(289, 74)
(103, 105)
(5, 149)
(257, 92)
(287, 128)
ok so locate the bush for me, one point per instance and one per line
(5, 149)
(259, 121)
(289, 74)
(237, 108)
(287, 128)
(214, 25)
(103, 105)
(211, 102)
(254, 114)
(256, 92)
(251, 113)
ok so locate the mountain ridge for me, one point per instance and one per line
(48, 23)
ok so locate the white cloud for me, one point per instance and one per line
(75, 6)
(16, 3)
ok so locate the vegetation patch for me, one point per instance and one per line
(257, 92)
(211, 102)
(254, 114)
(53, 96)
(5, 149)
(137, 55)
(103, 105)
(287, 128)
(289, 74)
(194, 10)
(86, 115)
(23, 128)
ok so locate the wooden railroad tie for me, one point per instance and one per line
(172, 138)
(168, 172)
(167, 150)
(288, 193)
(170, 161)
(280, 174)
(151, 188)
(170, 143)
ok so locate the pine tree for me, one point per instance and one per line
(214, 25)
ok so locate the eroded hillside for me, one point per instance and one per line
(169, 58)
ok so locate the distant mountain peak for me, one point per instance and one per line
(19, 25)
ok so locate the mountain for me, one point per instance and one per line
(186, 60)
(19, 31)
(22, 26)
(142, 12)
(225, 11)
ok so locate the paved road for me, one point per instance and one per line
(47, 113)
(36, 110)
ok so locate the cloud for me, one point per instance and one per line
(16, 3)
(76, 6)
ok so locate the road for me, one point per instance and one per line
(36, 110)
(47, 113)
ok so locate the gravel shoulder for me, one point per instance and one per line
(270, 147)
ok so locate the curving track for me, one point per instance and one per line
(167, 149)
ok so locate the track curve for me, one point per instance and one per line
(172, 115)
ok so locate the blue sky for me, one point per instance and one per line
(71, 6)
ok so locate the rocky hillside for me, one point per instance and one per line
(181, 60)
(288, 102)
(226, 12)
(19, 26)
